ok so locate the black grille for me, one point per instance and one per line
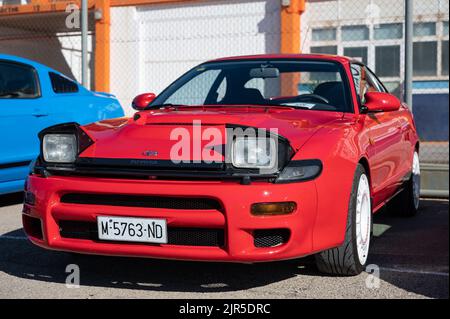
(176, 236)
(270, 237)
(196, 237)
(142, 201)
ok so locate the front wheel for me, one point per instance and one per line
(351, 257)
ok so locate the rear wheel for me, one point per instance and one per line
(351, 257)
(407, 202)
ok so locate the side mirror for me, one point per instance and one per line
(381, 102)
(142, 101)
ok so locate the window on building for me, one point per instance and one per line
(330, 49)
(445, 28)
(18, 81)
(387, 61)
(326, 34)
(425, 59)
(445, 57)
(394, 88)
(359, 53)
(424, 29)
(355, 33)
(62, 84)
(389, 31)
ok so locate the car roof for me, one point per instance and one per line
(38, 66)
(323, 57)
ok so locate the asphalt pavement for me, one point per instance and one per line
(409, 259)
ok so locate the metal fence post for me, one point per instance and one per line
(84, 42)
(409, 26)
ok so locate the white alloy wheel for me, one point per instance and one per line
(363, 219)
(416, 180)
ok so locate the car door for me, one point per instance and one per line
(385, 142)
(22, 116)
(403, 127)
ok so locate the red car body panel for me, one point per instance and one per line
(383, 142)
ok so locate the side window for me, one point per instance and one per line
(374, 80)
(357, 72)
(18, 81)
(61, 84)
(365, 82)
(257, 84)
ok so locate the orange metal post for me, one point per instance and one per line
(102, 47)
(290, 42)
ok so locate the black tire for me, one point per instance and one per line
(344, 260)
(402, 205)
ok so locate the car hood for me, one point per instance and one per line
(154, 133)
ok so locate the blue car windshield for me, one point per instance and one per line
(305, 84)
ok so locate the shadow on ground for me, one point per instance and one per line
(11, 199)
(22, 259)
(413, 253)
(418, 244)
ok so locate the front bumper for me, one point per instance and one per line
(234, 218)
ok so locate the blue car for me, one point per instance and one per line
(33, 97)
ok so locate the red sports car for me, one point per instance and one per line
(243, 159)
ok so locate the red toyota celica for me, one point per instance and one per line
(244, 159)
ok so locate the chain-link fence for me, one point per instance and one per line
(374, 32)
(46, 38)
(151, 45)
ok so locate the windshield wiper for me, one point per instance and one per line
(159, 106)
(288, 106)
(226, 105)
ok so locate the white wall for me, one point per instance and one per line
(151, 46)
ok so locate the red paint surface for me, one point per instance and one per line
(384, 140)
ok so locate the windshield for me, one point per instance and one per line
(312, 85)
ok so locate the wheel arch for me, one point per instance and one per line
(365, 163)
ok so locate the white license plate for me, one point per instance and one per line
(132, 229)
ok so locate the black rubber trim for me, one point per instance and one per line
(15, 164)
(196, 237)
(162, 202)
(130, 163)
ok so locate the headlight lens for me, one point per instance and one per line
(297, 171)
(252, 152)
(59, 148)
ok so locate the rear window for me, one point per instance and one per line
(18, 81)
(61, 84)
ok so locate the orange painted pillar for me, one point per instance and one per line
(290, 41)
(102, 46)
